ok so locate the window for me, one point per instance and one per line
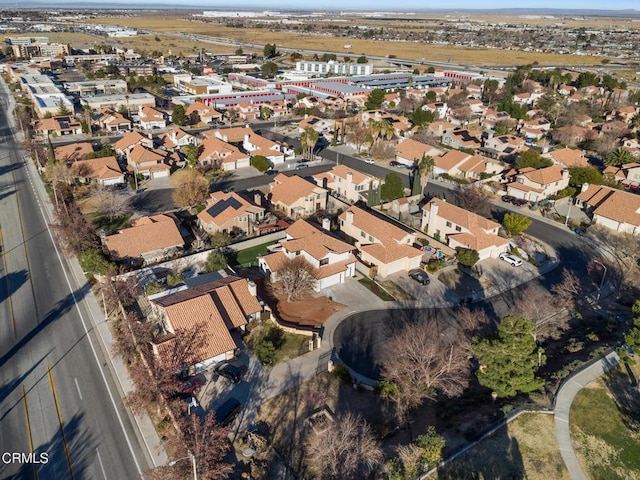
(324, 261)
(370, 238)
(458, 229)
(363, 235)
(448, 224)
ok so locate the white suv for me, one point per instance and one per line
(511, 259)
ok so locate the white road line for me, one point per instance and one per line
(104, 474)
(78, 387)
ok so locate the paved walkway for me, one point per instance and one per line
(564, 399)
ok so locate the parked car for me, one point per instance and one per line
(507, 198)
(301, 166)
(229, 371)
(226, 412)
(369, 161)
(511, 259)
(419, 276)
(518, 202)
(271, 171)
(393, 163)
(191, 386)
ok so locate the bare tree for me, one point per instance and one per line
(345, 449)
(470, 322)
(567, 292)
(112, 203)
(474, 199)
(382, 149)
(425, 136)
(296, 277)
(624, 247)
(58, 173)
(537, 306)
(356, 133)
(424, 361)
(190, 188)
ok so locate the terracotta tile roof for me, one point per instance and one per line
(227, 206)
(100, 168)
(315, 242)
(212, 148)
(462, 217)
(440, 126)
(524, 188)
(275, 261)
(614, 204)
(288, 190)
(202, 110)
(72, 152)
(569, 157)
(389, 235)
(234, 134)
(149, 234)
(414, 150)
(478, 240)
(475, 164)
(140, 154)
(265, 146)
(128, 140)
(150, 114)
(451, 159)
(342, 171)
(546, 175)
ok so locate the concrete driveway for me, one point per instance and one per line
(351, 292)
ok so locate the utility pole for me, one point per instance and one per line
(566, 221)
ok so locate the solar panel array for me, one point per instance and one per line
(222, 205)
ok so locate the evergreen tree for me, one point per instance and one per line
(392, 187)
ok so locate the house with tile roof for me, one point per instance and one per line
(535, 128)
(296, 197)
(150, 118)
(459, 228)
(320, 125)
(347, 183)
(215, 309)
(199, 112)
(219, 154)
(247, 111)
(538, 184)
(440, 127)
(387, 246)
(611, 208)
(109, 120)
(149, 163)
(72, 152)
(104, 171)
(230, 213)
(462, 138)
(490, 118)
(57, 126)
(129, 140)
(258, 145)
(628, 175)
(409, 151)
(568, 157)
(177, 138)
(332, 259)
(506, 147)
(149, 240)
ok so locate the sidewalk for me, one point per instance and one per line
(569, 389)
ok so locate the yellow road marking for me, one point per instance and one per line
(26, 414)
(64, 439)
(6, 278)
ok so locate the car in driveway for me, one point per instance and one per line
(229, 371)
(191, 386)
(518, 202)
(507, 198)
(393, 163)
(370, 161)
(271, 171)
(419, 276)
(510, 259)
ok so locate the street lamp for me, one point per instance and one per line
(193, 463)
(604, 274)
(566, 221)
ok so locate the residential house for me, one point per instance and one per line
(230, 213)
(73, 152)
(506, 147)
(614, 209)
(628, 175)
(537, 184)
(104, 171)
(111, 121)
(381, 244)
(459, 228)
(258, 145)
(308, 102)
(332, 259)
(215, 309)
(150, 118)
(535, 128)
(568, 157)
(150, 240)
(177, 138)
(129, 140)
(462, 138)
(439, 128)
(199, 112)
(57, 126)
(409, 151)
(148, 162)
(247, 111)
(439, 108)
(347, 183)
(320, 125)
(296, 197)
(491, 118)
(527, 98)
(220, 154)
(460, 164)
(474, 91)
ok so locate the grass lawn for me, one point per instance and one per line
(111, 226)
(248, 255)
(605, 426)
(290, 345)
(397, 291)
(526, 448)
(375, 288)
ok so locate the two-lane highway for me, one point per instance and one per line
(59, 415)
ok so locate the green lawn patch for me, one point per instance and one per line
(272, 345)
(376, 289)
(605, 426)
(110, 227)
(397, 291)
(248, 255)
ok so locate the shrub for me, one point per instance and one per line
(152, 288)
(266, 352)
(260, 162)
(215, 261)
(567, 192)
(93, 260)
(341, 373)
(467, 257)
(174, 279)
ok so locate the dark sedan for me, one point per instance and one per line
(419, 276)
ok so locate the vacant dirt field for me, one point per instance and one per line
(439, 53)
(77, 40)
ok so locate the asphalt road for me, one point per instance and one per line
(55, 396)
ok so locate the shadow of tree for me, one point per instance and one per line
(11, 282)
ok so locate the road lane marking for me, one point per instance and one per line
(64, 438)
(104, 474)
(6, 278)
(78, 387)
(26, 414)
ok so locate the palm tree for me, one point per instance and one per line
(86, 109)
(425, 167)
(308, 139)
(619, 157)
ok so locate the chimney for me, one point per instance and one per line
(326, 224)
(246, 138)
(433, 215)
(349, 217)
(349, 177)
(253, 289)
(257, 199)
(584, 188)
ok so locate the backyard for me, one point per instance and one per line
(249, 255)
(607, 443)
